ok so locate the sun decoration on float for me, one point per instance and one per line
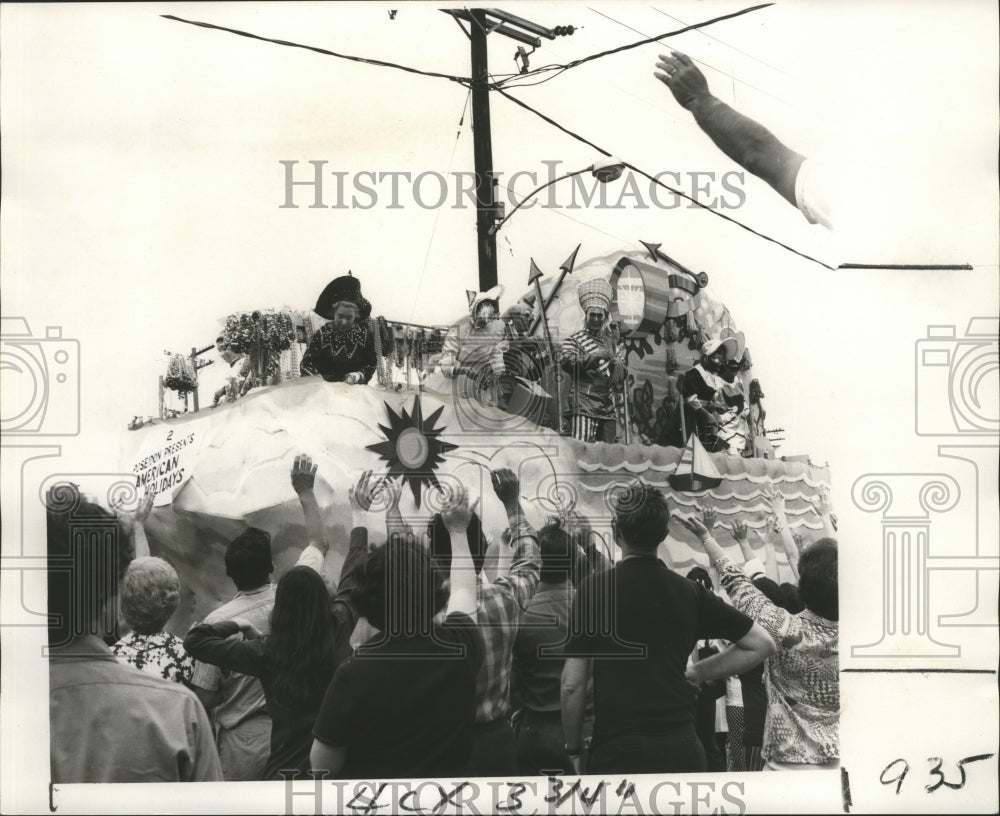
(412, 447)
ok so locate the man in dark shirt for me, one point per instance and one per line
(404, 705)
(634, 627)
(538, 657)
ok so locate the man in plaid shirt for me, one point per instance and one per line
(500, 606)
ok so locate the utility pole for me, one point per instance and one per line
(481, 23)
(483, 152)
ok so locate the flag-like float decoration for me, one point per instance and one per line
(695, 470)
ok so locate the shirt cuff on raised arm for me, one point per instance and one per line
(311, 557)
(754, 568)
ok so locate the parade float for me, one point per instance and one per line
(217, 470)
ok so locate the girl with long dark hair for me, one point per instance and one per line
(309, 637)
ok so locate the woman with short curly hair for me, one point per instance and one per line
(149, 593)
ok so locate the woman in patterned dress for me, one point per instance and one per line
(343, 350)
(150, 591)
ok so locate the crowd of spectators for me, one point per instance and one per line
(550, 651)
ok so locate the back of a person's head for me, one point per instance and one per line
(641, 516)
(301, 602)
(700, 576)
(87, 554)
(248, 559)
(400, 590)
(818, 583)
(578, 527)
(771, 591)
(557, 551)
(149, 594)
(300, 644)
(440, 539)
(791, 599)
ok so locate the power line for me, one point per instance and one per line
(706, 64)
(647, 40)
(723, 42)
(657, 181)
(577, 220)
(466, 81)
(437, 214)
(512, 80)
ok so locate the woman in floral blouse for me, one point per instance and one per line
(801, 728)
(150, 592)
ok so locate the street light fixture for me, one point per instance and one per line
(605, 170)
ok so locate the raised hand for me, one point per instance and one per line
(505, 485)
(303, 474)
(774, 525)
(145, 507)
(709, 518)
(740, 531)
(394, 524)
(775, 499)
(366, 490)
(391, 490)
(457, 514)
(686, 82)
(825, 504)
(694, 525)
(133, 520)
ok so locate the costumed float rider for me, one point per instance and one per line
(236, 385)
(524, 356)
(473, 349)
(712, 406)
(596, 366)
(343, 350)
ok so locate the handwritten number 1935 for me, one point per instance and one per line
(895, 772)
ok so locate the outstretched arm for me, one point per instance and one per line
(522, 576)
(770, 560)
(776, 501)
(746, 142)
(774, 620)
(749, 651)
(824, 508)
(573, 694)
(303, 481)
(456, 517)
(133, 523)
